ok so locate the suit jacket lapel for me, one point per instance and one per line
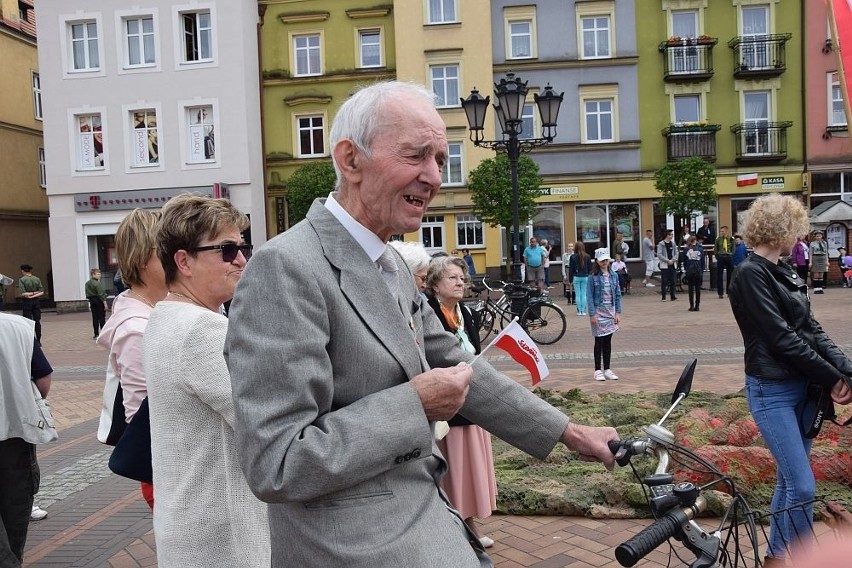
(364, 287)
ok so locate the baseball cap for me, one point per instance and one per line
(602, 254)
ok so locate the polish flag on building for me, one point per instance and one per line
(746, 179)
(841, 13)
(515, 341)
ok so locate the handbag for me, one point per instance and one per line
(131, 457)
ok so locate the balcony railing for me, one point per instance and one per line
(765, 141)
(759, 56)
(686, 141)
(688, 59)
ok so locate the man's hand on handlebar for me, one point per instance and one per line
(591, 442)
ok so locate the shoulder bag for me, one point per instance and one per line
(131, 457)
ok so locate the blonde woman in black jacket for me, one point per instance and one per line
(786, 350)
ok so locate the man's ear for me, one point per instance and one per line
(348, 160)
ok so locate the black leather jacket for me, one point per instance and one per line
(782, 339)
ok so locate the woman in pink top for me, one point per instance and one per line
(143, 275)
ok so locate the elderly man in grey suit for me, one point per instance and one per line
(339, 368)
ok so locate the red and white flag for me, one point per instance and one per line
(746, 179)
(842, 31)
(515, 341)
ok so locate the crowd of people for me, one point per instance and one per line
(336, 414)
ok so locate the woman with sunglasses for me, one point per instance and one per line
(204, 512)
(787, 353)
(470, 482)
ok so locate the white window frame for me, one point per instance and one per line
(123, 39)
(42, 168)
(38, 110)
(312, 128)
(455, 156)
(445, 99)
(187, 109)
(182, 60)
(309, 50)
(75, 140)
(369, 32)
(67, 45)
(756, 55)
(599, 93)
(835, 96)
(434, 225)
(132, 138)
(600, 51)
(761, 140)
(520, 15)
(440, 16)
(699, 108)
(529, 116)
(469, 222)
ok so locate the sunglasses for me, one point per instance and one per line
(229, 250)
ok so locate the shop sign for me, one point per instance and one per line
(772, 182)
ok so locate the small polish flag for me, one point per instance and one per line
(746, 179)
(515, 341)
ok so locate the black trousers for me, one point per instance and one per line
(98, 313)
(19, 481)
(694, 293)
(603, 350)
(31, 309)
(726, 263)
(668, 276)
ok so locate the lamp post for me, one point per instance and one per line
(511, 95)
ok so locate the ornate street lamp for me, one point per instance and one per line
(511, 95)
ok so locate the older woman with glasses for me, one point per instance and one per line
(416, 259)
(470, 482)
(204, 512)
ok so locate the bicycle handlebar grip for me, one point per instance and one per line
(614, 446)
(633, 550)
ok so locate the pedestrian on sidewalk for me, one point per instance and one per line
(650, 257)
(204, 512)
(31, 291)
(142, 272)
(787, 356)
(24, 371)
(96, 294)
(723, 251)
(579, 268)
(604, 299)
(693, 270)
(818, 262)
(667, 255)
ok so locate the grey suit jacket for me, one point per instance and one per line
(329, 430)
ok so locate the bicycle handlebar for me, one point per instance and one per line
(655, 534)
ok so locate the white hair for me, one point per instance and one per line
(414, 254)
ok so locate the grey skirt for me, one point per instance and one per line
(819, 263)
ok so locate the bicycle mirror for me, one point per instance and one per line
(684, 383)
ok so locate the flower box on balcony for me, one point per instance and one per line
(681, 127)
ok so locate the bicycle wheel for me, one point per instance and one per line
(544, 323)
(486, 324)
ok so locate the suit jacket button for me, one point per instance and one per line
(415, 454)
(407, 456)
(398, 460)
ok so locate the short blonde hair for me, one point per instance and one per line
(775, 220)
(187, 220)
(134, 241)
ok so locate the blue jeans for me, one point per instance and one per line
(778, 408)
(581, 288)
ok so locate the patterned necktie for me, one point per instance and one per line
(390, 270)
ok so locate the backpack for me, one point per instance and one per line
(693, 271)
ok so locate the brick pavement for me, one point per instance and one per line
(97, 519)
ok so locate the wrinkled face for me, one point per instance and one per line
(450, 288)
(420, 280)
(212, 277)
(533, 242)
(391, 189)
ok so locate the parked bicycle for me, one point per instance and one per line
(735, 541)
(540, 317)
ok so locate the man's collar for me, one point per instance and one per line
(369, 241)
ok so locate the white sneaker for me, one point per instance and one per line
(486, 542)
(38, 513)
(649, 285)
(610, 375)
(599, 376)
